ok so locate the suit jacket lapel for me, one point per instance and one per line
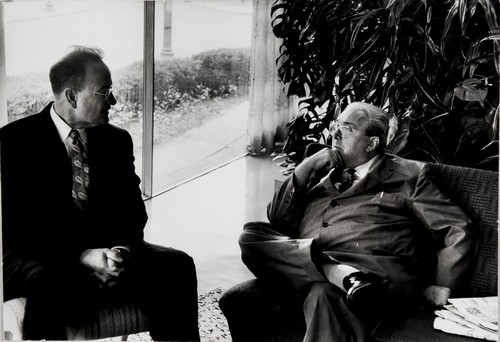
(55, 151)
(49, 134)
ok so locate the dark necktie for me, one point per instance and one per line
(80, 168)
(347, 180)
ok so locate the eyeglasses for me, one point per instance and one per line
(335, 125)
(106, 95)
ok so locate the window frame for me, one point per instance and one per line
(148, 88)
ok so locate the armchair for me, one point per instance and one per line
(253, 314)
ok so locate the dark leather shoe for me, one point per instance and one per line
(365, 292)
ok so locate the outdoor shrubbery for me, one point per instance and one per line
(188, 91)
(224, 71)
(180, 82)
(180, 85)
(27, 94)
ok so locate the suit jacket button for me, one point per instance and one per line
(325, 224)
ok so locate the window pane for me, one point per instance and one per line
(38, 33)
(201, 87)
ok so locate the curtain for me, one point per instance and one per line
(3, 77)
(269, 106)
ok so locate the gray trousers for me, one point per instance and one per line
(292, 263)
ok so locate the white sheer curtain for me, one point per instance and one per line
(3, 77)
(269, 106)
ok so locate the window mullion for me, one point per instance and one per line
(148, 116)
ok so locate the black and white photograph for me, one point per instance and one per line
(249, 170)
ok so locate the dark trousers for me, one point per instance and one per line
(161, 280)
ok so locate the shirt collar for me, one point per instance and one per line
(63, 128)
(363, 169)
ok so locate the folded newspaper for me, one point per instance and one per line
(473, 317)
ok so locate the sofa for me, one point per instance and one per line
(254, 314)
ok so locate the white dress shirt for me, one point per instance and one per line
(63, 128)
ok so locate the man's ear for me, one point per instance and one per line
(374, 142)
(70, 96)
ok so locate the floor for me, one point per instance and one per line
(205, 216)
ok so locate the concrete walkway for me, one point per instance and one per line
(201, 149)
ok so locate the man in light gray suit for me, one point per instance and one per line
(355, 231)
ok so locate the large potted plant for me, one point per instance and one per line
(434, 64)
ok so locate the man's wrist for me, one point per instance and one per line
(301, 175)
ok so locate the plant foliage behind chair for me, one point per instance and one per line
(434, 64)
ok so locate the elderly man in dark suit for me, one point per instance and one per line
(355, 232)
(73, 215)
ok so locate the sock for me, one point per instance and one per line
(335, 273)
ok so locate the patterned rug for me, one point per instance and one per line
(211, 321)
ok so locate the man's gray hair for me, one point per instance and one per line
(375, 122)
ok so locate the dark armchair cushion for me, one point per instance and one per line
(476, 192)
(415, 327)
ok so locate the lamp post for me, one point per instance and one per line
(49, 6)
(167, 29)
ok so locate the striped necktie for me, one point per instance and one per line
(80, 167)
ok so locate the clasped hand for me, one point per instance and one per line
(105, 264)
(317, 165)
